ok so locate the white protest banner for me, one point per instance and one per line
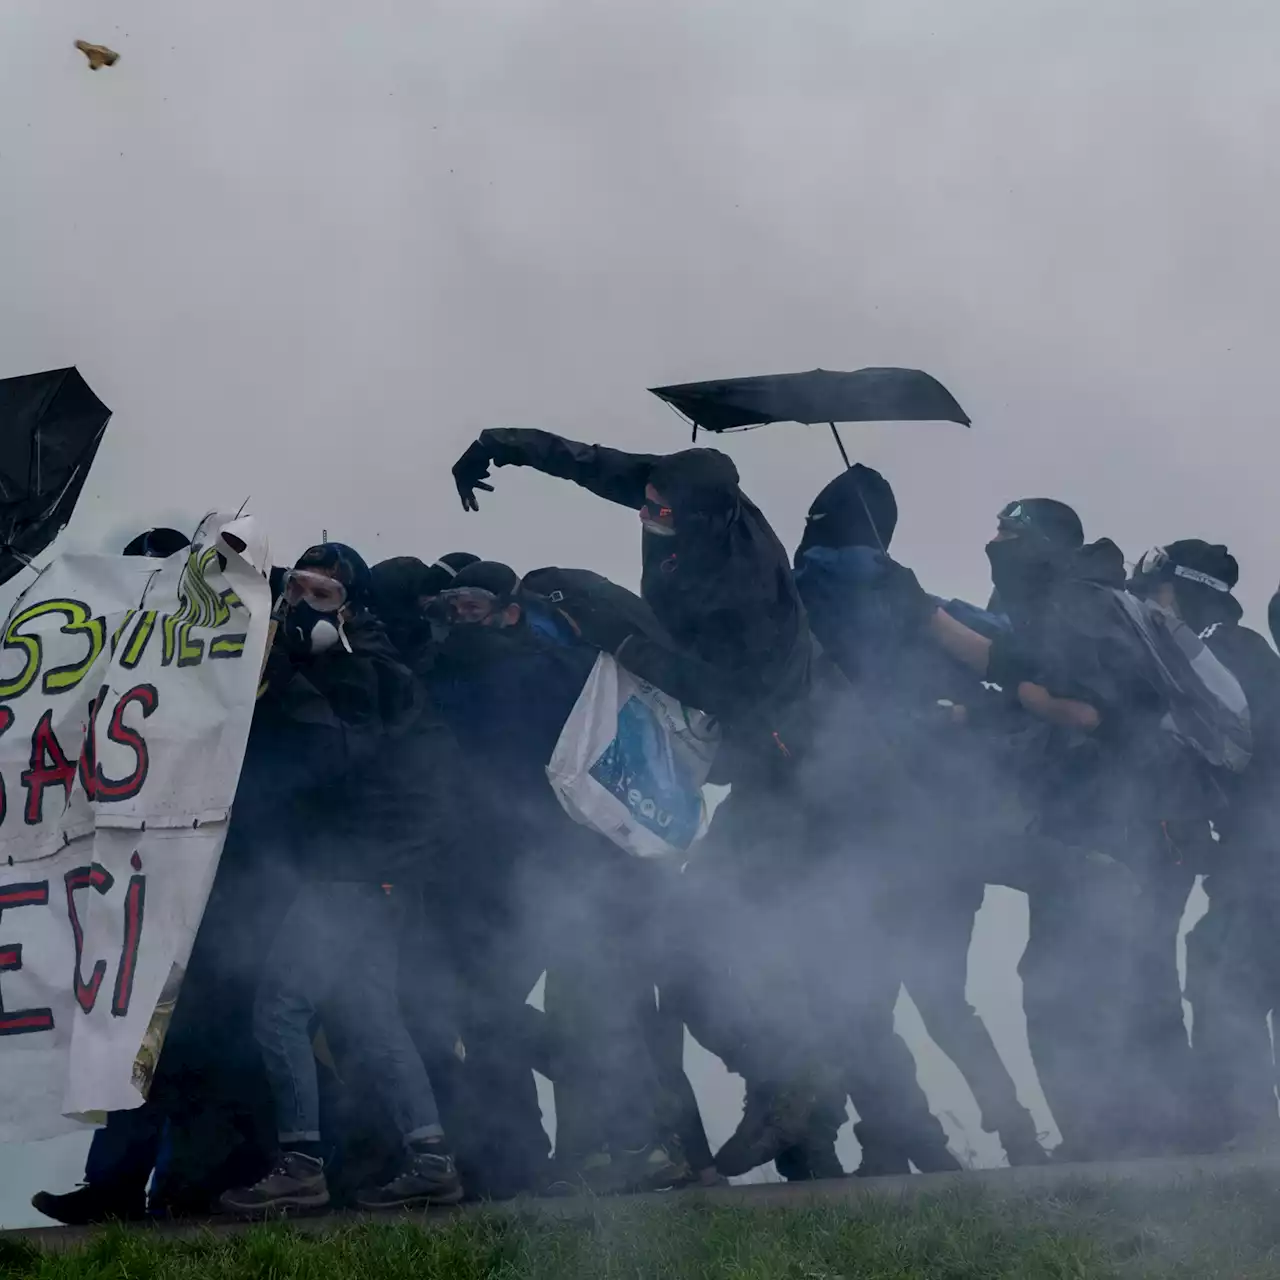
(127, 687)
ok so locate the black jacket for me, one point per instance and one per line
(1249, 823)
(1077, 643)
(722, 586)
(363, 760)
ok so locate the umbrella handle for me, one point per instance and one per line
(839, 445)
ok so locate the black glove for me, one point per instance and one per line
(470, 473)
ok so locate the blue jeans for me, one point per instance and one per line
(338, 951)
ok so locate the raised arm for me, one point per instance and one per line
(608, 473)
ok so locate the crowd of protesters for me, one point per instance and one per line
(354, 1026)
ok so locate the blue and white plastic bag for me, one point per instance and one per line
(631, 763)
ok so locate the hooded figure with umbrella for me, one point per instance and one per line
(719, 581)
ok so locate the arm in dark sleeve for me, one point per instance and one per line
(683, 675)
(608, 473)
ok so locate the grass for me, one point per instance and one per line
(1223, 1229)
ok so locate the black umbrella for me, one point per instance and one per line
(821, 395)
(50, 427)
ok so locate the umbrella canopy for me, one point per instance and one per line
(50, 427)
(821, 395)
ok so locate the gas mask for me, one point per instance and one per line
(312, 621)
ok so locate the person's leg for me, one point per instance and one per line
(364, 1000)
(294, 978)
(121, 1157)
(1161, 1082)
(1227, 986)
(934, 957)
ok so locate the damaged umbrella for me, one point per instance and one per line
(50, 427)
(821, 395)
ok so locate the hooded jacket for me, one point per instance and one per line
(721, 586)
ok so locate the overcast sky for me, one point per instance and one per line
(306, 250)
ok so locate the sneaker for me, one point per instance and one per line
(605, 1173)
(772, 1121)
(297, 1182)
(424, 1180)
(92, 1204)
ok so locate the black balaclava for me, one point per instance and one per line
(157, 544)
(701, 561)
(1203, 575)
(857, 509)
(1040, 537)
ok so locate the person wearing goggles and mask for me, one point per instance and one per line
(378, 810)
(404, 588)
(1233, 962)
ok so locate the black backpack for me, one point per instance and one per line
(1207, 709)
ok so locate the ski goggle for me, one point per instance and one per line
(322, 593)
(657, 518)
(466, 605)
(1015, 519)
(1157, 564)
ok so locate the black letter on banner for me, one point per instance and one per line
(96, 877)
(146, 696)
(21, 1022)
(49, 767)
(135, 900)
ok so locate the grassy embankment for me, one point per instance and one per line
(1227, 1229)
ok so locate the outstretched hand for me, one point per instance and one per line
(470, 473)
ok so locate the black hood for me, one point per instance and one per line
(857, 509)
(1101, 563)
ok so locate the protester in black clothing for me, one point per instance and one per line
(1233, 958)
(380, 812)
(719, 581)
(566, 894)
(917, 843)
(1123, 806)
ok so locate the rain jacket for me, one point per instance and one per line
(722, 586)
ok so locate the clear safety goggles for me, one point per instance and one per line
(322, 593)
(466, 605)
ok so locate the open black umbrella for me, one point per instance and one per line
(50, 427)
(821, 395)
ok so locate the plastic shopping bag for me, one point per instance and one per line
(631, 762)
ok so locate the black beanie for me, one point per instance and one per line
(489, 575)
(857, 509)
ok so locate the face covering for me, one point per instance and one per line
(1022, 568)
(307, 631)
